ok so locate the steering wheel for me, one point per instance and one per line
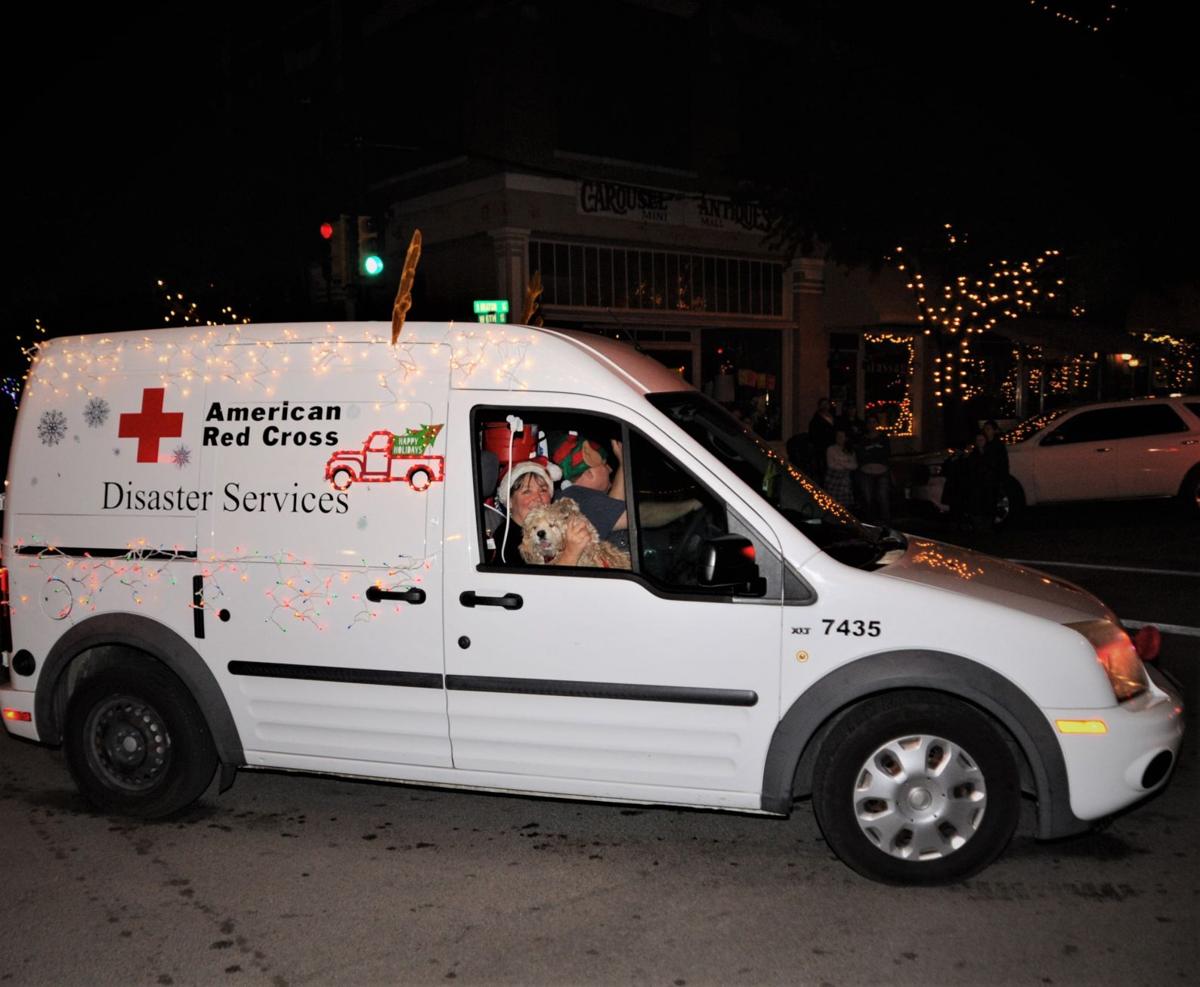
(686, 551)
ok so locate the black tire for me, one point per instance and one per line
(1010, 504)
(420, 479)
(1189, 492)
(341, 479)
(136, 743)
(943, 816)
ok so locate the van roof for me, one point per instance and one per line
(575, 355)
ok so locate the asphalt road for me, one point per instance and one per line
(300, 880)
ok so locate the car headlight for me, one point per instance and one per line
(1117, 656)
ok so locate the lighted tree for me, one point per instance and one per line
(960, 294)
(182, 310)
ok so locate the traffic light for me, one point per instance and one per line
(370, 261)
(335, 262)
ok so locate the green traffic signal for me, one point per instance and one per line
(372, 265)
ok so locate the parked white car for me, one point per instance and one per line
(1116, 450)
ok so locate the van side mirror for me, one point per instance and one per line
(727, 562)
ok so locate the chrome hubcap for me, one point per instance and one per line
(919, 797)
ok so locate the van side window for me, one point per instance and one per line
(641, 501)
(525, 436)
(675, 515)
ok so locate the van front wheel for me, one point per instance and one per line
(916, 788)
(136, 743)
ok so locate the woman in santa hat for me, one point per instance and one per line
(530, 484)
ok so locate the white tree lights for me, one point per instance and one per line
(954, 304)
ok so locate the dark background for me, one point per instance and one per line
(204, 145)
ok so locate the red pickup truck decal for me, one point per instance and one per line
(386, 457)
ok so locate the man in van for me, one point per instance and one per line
(591, 482)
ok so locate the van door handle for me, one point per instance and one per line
(1104, 449)
(510, 601)
(413, 596)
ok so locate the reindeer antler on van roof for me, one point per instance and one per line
(404, 295)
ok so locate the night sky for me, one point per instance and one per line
(140, 148)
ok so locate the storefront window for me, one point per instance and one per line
(889, 361)
(613, 277)
(740, 370)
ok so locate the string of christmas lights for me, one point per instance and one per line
(1093, 22)
(181, 311)
(298, 592)
(1175, 365)
(12, 386)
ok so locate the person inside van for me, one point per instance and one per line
(599, 490)
(530, 484)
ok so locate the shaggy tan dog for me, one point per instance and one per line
(545, 531)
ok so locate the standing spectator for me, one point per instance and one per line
(997, 453)
(853, 425)
(820, 435)
(840, 464)
(874, 477)
(981, 486)
(993, 473)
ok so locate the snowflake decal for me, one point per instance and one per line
(181, 456)
(52, 427)
(95, 412)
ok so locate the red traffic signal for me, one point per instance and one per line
(327, 231)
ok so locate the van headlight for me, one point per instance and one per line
(1117, 656)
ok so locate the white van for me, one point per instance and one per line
(267, 547)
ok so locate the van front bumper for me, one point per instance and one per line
(1134, 756)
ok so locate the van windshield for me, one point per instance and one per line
(818, 516)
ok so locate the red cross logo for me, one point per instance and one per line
(151, 424)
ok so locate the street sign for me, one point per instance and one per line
(491, 310)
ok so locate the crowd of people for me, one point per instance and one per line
(850, 457)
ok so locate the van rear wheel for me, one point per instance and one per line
(136, 743)
(916, 788)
